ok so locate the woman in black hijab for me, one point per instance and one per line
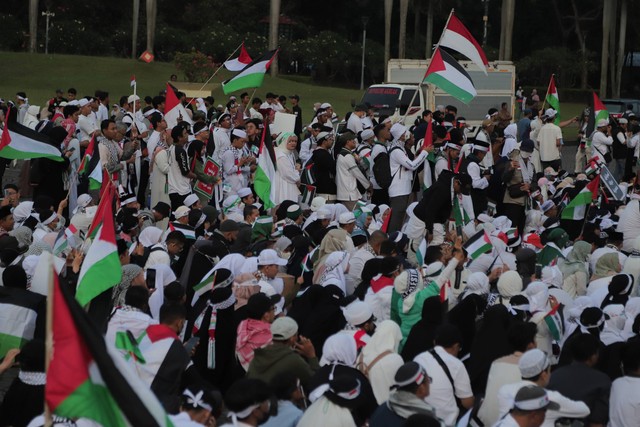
(423, 333)
(490, 343)
(464, 316)
(47, 175)
(325, 318)
(301, 245)
(525, 265)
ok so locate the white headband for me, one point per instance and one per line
(239, 133)
(480, 148)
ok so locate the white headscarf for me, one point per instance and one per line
(386, 337)
(335, 267)
(408, 284)
(509, 284)
(613, 326)
(164, 276)
(233, 263)
(631, 310)
(150, 236)
(477, 283)
(538, 295)
(552, 276)
(339, 349)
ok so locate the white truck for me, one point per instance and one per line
(405, 77)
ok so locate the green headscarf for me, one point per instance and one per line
(576, 259)
(607, 265)
(281, 142)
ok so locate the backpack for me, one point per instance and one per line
(382, 168)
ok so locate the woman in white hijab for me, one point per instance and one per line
(339, 353)
(287, 172)
(164, 276)
(631, 310)
(613, 326)
(379, 359)
(233, 263)
(539, 306)
(332, 272)
(380, 217)
(509, 284)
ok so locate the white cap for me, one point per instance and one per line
(190, 200)
(239, 133)
(323, 213)
(367, 134)
(550, 112)
(317, 203)
(270, 257)
(602, 123)
(132, 98)
(83, 101)
(244, 192)
(325, 105)
(182, 211)
(83, 201)
(397, 130)
(357, 313)
(346, 218)
(74, 102)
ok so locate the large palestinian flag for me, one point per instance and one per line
(101, 268)
(21, 142)
(174, 111)
(577, 207)
(266, 171)
(18, 317)
(445, 72)
(457, 37)
(251, 76)
(237, 64)
(88, 379)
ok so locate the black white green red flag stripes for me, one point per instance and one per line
(251, 76)
(88, 379)
(21, 142)
(445, 73)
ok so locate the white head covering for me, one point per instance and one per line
(250, 265)
(408, 284)
(387, 337)
(164, 276)
(234, 263)
(477, 283)
(538, 294)
(335, 266)
(22, 211)
(339, 349)
(509, 284)
(552, 276)
(613, 326)
(631, 310)
(150, 236)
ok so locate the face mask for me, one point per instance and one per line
(525, 155)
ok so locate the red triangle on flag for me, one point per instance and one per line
(244, 55)
(171, 100)
(436, 64)
(385, 224)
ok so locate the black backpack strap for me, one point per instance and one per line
(447, 372)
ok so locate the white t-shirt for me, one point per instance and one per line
(547, 138)
(624, 402)
(441, 395)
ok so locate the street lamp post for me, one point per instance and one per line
(485, 19)
(48, 15)
(365, 19)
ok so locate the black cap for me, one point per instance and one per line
(229, 225)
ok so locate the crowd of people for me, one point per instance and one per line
(404, 276)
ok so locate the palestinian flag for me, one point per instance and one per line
(462, 211)
(308, 176)
(445, 291)
(385, 224)
(101, 269)
(554, 322)
(266, 171)
(240, 62)
(88, 155)
(428, 135)
(132, 83)
(65, 237)
(250, 76)
(308, 193)
(126, 342)
(188, 231)
(88, 379)
(598, 112)
(174, 111)
(306, 263)
(106, 198)
(577, 207)
(553, 100)
(98, 176)
(457, 37)
(445, 73)
(421, 252)
(18, 315)
(206, 284)
(478, 244)
(21, 142)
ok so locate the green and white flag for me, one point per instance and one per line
(478, 244)
(251, 76)
(445, 72)
(553, 100)
(577, 207)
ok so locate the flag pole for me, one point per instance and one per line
(430, 59)
(48, 418)
(216, 71)
(547, 94)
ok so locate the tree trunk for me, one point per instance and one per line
(388, 9)
(33, 25)
(612, 45)
(584, 69)
(508, 28)
(152, 14)
(402, 36)
(621, 48)
(274, 20)
(503, 22)
(134, 32)
(429, 41)
(606, 30)
(416, 24)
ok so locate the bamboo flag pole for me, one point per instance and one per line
(216, 72)
(432, 53)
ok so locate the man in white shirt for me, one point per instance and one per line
(348, 174)
(450, 380)
(103, 106)
(479, 176)
(601, 140)
(354, 124)
(624, 402)
(529, 407)
(86, 124)
(535, 369)
(221, 136)
(549, 141)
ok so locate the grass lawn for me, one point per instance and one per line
(39, 75)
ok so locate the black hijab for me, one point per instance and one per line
(423, 333)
